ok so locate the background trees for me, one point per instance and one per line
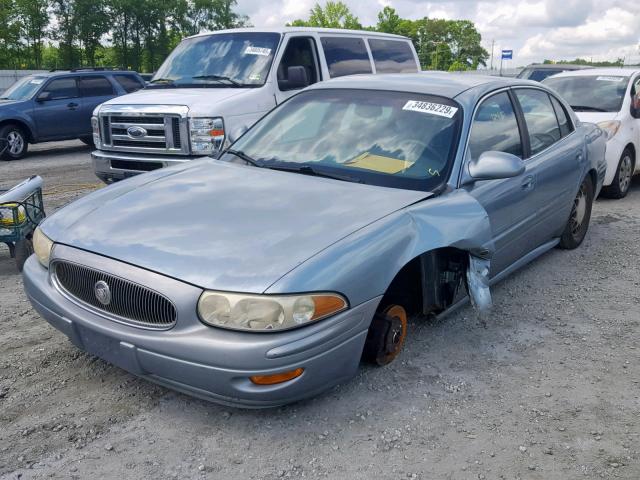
(139, 34)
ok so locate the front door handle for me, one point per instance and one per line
(528, 182)
(72, 105)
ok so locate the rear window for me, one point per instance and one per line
(129, 83)
(392, 56)
(95, 86)
(346, 56)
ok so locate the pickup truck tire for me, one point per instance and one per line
(87, 141)
(15, 142)
(622, 181)
(578, 223)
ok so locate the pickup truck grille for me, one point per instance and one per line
(145, 133)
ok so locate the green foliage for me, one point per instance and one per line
(136, 34)
(582, 61)
(332, 15)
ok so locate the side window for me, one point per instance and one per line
(95, 86)
(129, 83)
(392, 56)
(62, 88)
(300, 51)
(563, 119)
(346, 56)
(542, 123)
(495, 128)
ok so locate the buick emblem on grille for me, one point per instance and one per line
(136, 132)
(102, 292)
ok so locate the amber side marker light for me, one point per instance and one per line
(276, 377)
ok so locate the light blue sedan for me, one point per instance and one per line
(264, 277)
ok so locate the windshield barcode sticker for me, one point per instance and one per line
(432, 108)
(265, 52)
(610, 79)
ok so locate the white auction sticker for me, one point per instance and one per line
(265, 52)
(432, 108)
(610, 79)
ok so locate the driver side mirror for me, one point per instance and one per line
(296, 78)
(494, 165)
(43, 96)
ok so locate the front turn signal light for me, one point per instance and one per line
(276, 377)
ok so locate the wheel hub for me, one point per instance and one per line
(16, 143)
(579, 211)
(624, 176)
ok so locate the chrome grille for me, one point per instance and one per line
(164, 133)
(130, 302)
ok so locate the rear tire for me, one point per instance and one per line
(23, 250)
(386, 335)
(578, 223)
(17, 144)
(622, 181)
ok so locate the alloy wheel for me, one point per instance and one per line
(16, 142)
(579, 211)
(624, 174)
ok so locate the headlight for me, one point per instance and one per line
(42, 246)
(257, 313)
(610, 127)
(207, 135)
(95, 125)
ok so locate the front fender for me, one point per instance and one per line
(362, 265)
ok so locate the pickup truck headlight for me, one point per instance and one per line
(610, 127)
(42, 246)
(207, 135)
(95, 126)
(267, 313)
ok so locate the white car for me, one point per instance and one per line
(609, 97)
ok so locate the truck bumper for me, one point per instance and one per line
(207, 362)
(113, 166)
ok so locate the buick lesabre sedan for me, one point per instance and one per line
(264, 276)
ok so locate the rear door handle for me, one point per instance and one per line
(528, 182)
(72, 105)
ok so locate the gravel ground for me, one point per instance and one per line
(546, 387)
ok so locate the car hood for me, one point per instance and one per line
(205, 102)
(222, 226)
(12, 103)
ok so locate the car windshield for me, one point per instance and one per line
(591, 93)
(392, 139)
(23, 89)
(538, 74)
(219, 60)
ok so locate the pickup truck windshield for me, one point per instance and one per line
(591, 93)
(23, 89)
(392, 139)
(219, 60)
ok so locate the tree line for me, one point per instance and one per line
(136, 34)
(139, 34)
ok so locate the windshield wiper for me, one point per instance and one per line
(219, 78)
(309, 170)
(244, 156)
(588, 108)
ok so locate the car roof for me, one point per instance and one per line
(558, 66)
(340, 31)
(58, 73)
(626, 72)
(430, 83)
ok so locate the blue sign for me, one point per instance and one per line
(507, 54)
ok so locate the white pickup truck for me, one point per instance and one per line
(214, 86)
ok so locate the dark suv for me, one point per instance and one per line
(57, 106)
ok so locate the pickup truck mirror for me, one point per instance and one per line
(296, 78)
(43, 96)
(495, 165)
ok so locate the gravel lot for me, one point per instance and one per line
(545, 387)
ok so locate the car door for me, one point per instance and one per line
(557, 161)
(497, 127)
(302, 51)
(94, 90)
(58, 109)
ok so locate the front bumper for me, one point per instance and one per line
(210, 363)
(113, 166)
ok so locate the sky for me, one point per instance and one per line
(534, 29)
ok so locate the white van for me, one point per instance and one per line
(214, 86)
